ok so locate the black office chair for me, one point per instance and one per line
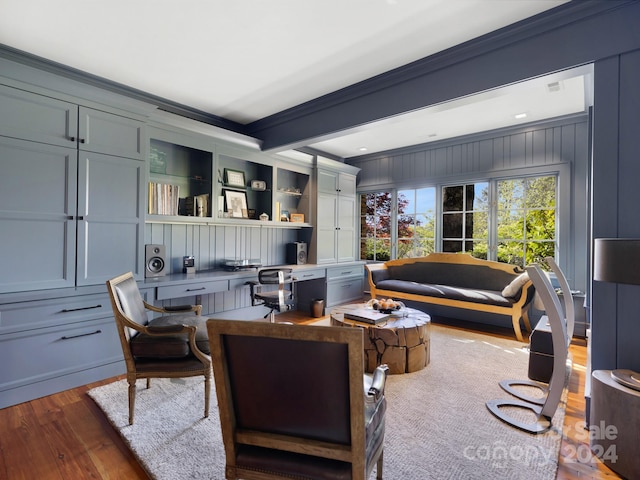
(282, 299)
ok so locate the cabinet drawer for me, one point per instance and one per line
(309, 274)
(191, 289)
(16, 317)
(343, 272)
(345, 291)
(39, 355)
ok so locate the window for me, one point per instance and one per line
(375, 225)
(509, 220)
(416, 230)
(465, 216)
(526, 230)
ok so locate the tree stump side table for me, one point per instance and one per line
(402, 342)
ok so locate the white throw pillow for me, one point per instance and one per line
(513, 289)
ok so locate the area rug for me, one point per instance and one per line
(438, 426)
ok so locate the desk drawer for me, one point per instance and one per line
(35, 356)
(192, 289)
(343, 272)
(309, 274)
(16, 317)
(344, 291)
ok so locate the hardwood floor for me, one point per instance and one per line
(66, 436)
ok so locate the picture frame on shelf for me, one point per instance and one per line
(297, 217)
(236, 204)
(234, 178)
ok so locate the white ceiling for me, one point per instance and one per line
(247, 59)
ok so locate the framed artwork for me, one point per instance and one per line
(297, 217)
(236, 203)
(234, 178)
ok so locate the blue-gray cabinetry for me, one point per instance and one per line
(71, 216)
(335, 228)
(71, 193)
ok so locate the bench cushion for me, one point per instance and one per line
(488, 297)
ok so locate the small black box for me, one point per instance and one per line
(541, 352)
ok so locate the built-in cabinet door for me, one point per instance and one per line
(37, 215)
(327, 181)
(346, 231)
(110, 217)
(103, 132)
(29, 116)
(326, 228)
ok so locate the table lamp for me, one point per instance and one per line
(617, 260)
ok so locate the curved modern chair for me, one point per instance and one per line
(544, 413)
(517, 388)
(282, 298)
(171, 346)
(294, 401)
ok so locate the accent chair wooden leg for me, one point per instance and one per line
(207, 394)
(148, 383)
(379, 466)
(132, 398)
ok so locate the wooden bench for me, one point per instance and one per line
(458, 284)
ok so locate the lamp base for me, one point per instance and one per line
(628, 378)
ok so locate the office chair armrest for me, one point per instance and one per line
(174, 309)
(376, 389)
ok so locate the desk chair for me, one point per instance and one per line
(282, 299)
(171, 346)
(294, 401)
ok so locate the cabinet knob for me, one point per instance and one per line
(81, 140)
(72, 139)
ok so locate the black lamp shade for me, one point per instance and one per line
(617, 260)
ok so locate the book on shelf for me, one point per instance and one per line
(163, 198)
(366, 315)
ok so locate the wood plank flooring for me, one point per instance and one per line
(66, 436)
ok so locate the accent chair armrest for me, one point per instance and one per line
(378, 381)
(175, 308)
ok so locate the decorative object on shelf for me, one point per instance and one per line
(234, 178)
(284, 216)
(264, 217)
(297, 217)
(157, 161)
(252, 213)
(236, 204)
(197, 206)
(258, 185)
(291, 191)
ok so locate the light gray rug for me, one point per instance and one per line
(437, 424)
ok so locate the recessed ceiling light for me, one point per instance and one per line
(520, 115)
(363, 149)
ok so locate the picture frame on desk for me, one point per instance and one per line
(236, 203)
(234, 178)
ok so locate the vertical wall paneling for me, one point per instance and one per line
(561, 145)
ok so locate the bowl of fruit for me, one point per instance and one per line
(386, 305)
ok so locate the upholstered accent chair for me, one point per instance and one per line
(294, 401)
(282, 298)
(170, 346)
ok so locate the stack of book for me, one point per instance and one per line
(163, 198)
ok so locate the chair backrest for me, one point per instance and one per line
(275, 276)
(294, 388)
(126, 301)
(569, 309)
(553, 309)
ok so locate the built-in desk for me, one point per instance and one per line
(226, 294)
